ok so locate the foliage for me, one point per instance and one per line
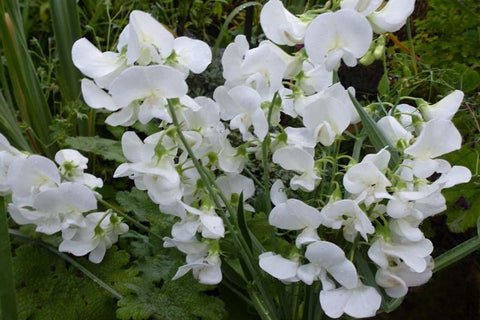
(449, 34)
(46, 284)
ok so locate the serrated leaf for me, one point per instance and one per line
(46, 284)
(104, 148)
(139, 203)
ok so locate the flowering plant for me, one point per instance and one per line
(283, 185)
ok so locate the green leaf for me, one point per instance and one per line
(383, 85)
(46, 284)
(105, 148)
(139, 203)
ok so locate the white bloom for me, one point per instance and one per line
(329, 257)
(102, 67)
(392, 16)
(147, 40)
(393, 130)
(37, 174)
(348, 214)
(281, 268)
(242, 106)
(72, 164)
(205, 268)
(344, 34)
(153, 85)
(99, 234)
(190, 54)
(396, 279)
(413, 254)
(8, 155)
(437, 138)
(359, 302)
(444, 109)
(280, 25)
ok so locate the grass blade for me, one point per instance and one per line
(29, 97)
(66, 27)
(8, 301)
(224, 29)
(376, 137)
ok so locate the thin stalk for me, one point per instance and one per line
(74, 263)
(412, 46)
(455, 254)
(239, 241)
(129, 219)
(266, 170)
(8, 301)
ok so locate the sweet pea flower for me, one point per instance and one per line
(389, 18)
(205, 268)
(393, 130)
(428, 146)
(444, 109)
(294, 214)
(280, 26)
(242, 106)
(153, 85)
(412, 253)
(344, 34)
(190, 55)
(146, 39)
(396, 279)
(72, 164)
(101, 232)
(205, 221)
(279, 267)
(359, 302)
(102, 67)
(8, 155)
(348, 214)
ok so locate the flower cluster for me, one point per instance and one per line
(58, 198)
(197, 166)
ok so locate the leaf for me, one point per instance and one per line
(46, 284)
(139, 203)
(463, 209)
(105, 148)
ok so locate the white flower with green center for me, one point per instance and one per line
(342, 35)
(280, 26)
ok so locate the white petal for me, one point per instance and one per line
(95, 97)
(277, 266)
(445, 108)
(277, 193)
(195, 54)
(392, 16)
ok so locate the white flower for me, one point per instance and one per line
(437, 138)
(281, 268)
(280, 25)
(37, 174)
(147, 40)
(413, 254)
(99, 234)
(348, 214)
(72, 164)
(392, 16)
(153, 85)
(8, 155)
(359, 302)
(328, 257)
(444, 109)
(393, 130)
(242, 106)
(206, 221)
(56, 209)
(102, 67)
(396, 279)
(205, 268)
(294, 214)
(190, 54)
(344, 34)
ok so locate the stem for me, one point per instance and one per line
(455, 254)
(129, 219)
(8, 301)
(74, 263)
(239, 241)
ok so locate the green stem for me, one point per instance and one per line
(129, 219)
(74, 263)
(8, 301)
(455, 254)
(239, 241)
